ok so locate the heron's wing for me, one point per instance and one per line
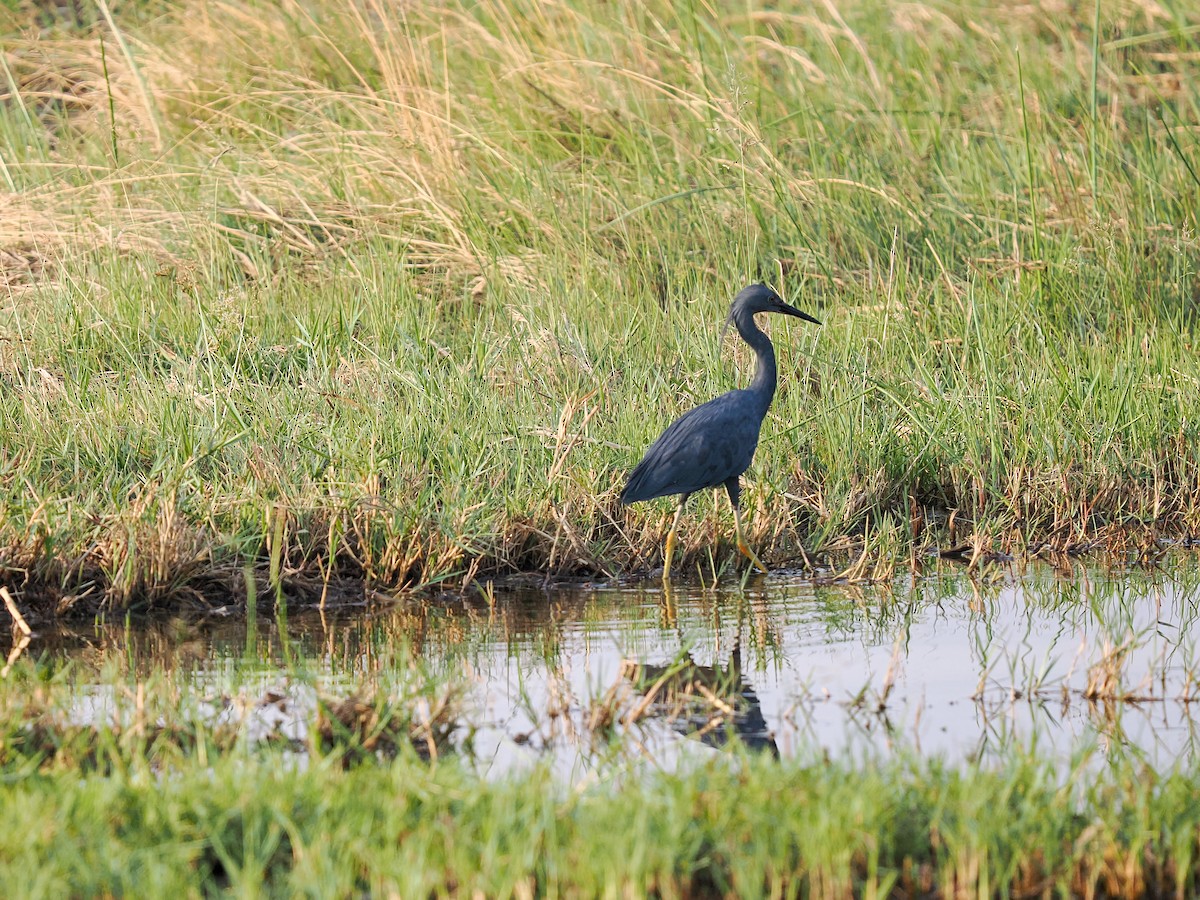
(703, 448)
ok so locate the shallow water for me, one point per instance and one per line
(950, 665)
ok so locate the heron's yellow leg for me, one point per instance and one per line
(741, 542)
(670, 551)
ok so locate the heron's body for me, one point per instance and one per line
(719, 439)
(712, 445)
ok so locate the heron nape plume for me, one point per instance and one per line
(713, 444)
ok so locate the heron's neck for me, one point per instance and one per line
(763, 385)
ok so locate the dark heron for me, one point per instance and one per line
(713, 444)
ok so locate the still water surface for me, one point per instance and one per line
(945, 664)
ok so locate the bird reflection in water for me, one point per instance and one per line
(714, 703)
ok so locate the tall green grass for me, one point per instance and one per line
(262, 826)
(401, 292)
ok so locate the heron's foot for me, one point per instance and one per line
(749, 554)
(739, 534)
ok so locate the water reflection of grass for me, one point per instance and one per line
(400, 308)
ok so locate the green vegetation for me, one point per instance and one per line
(402, 829)
(387, 294)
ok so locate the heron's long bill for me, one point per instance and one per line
(792, 311)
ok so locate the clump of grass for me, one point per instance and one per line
(376, 725)
(67, 721)
(1105, 681)
(420, 284)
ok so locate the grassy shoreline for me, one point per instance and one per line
(155, 795)
(385, 298)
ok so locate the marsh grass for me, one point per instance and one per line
(148, 797)
(376, 297)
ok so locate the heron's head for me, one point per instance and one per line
(759, 298)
